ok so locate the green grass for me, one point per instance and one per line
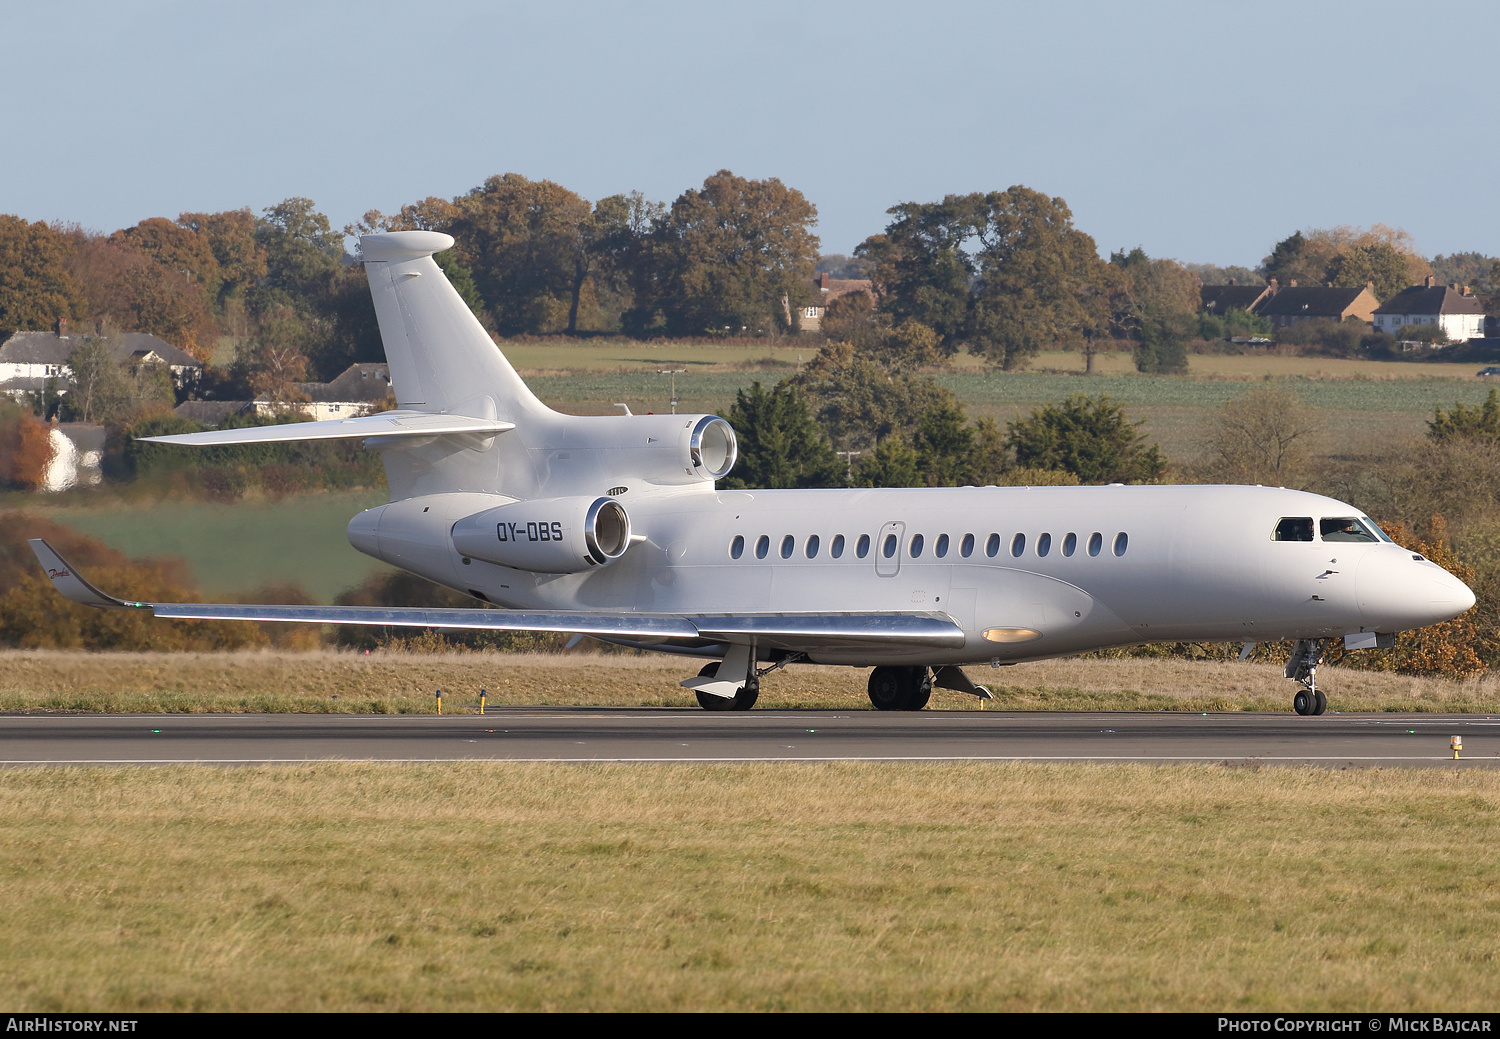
(837, 887)
(235, 548)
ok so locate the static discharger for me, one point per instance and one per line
(1458, 745)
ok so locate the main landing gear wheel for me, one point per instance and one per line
(900, 688)
(742, 700)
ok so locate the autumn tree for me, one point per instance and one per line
(1377, 264)
(179, 249)
(1005, 273)
(735, 254)
(922, 267)
(241, 259)
(1037, 274)
(36, 285)
(25, 448)
(521, 239)
(1348, 257)
(1157, 307)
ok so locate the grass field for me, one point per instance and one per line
(1361, 402)
(490, 886)
(236, 548)
(398, 683)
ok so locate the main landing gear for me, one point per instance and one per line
(1307, 654)
(900, 688)
(890, 688)
(743, 699)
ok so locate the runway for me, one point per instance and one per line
(674, 735)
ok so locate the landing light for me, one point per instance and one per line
(1011, 634)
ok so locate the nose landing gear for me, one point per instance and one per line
(1307, 654)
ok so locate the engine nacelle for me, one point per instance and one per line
(548, 535)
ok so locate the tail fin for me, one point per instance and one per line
(441, 358)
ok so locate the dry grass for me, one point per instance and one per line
(483, 886)
(398, 683)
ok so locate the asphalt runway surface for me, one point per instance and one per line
(575, 734)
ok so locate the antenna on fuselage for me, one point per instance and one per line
(626, 407)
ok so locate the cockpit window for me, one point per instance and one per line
(1295, 528)
(1382, 535)
(1344, 529)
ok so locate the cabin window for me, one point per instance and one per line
(1295, 528)
(1043, 545)
(1018, 545)
(916, 545)
(1344, 529)
(737, 546)
(1121, 541)
(862, 547)
(1096, 543)
(787, 544)
(889, 548)
(762, 546)
(812, 546)
(966, 547)
(1070, 543)
(941, 548)
(992, 545)
(836, 549)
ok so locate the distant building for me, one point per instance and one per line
(1220, 299)
(29, 360)
(1455, 310)
(825, 291)
(360, 389)
(1288, 306)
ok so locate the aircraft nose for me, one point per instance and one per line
(1398, 592)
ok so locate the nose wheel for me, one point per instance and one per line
(1307, 654)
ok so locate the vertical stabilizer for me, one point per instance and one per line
(441, 358)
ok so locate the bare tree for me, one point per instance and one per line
(1263, 437)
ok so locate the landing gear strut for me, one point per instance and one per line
(1307, 654)
(900, 688)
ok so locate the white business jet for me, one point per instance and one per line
(612, 527)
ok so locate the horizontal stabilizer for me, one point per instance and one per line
(384, 425)
(791, 631)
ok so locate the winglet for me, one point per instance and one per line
(72, 584)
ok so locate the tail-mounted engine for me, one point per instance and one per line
(548, 535)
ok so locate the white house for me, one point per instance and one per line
(29, 359)
(1455, 310)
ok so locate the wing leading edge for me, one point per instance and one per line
(790, 631)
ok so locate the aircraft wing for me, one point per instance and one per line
(790, 631)
(385, 424)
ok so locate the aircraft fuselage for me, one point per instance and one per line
(1026, 573)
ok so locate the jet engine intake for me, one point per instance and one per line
(712, 448)
(547, 535)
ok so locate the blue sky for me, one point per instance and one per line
(1201, 131)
